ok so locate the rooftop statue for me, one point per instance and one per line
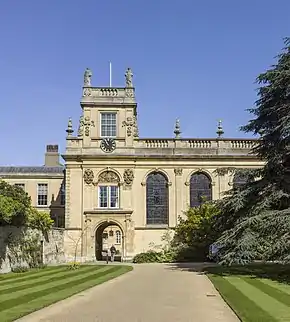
(129, 78)
(87, 77)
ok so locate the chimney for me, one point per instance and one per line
(51, 156)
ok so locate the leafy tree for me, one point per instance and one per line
(196, 231)
(16, 209)
(14, 205)
(255, 218)
(40, 220)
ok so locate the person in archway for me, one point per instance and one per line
(113, 251)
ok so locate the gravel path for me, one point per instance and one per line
(150, 293)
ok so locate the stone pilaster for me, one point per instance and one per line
(67, 197)
(179, 191)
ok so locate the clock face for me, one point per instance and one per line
(108, 145)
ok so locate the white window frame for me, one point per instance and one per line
(109, 196)
(20, 185)
(38, 184)
(118, 237)
(107, 136)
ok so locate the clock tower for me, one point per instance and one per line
(109, 116)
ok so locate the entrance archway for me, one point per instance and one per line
(108, 234)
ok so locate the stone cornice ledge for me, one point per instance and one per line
(79, 158)
(101, 211)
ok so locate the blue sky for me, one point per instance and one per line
(196, 60)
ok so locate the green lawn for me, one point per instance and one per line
(23, 293)
(257, 293)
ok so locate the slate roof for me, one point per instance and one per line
(28, 170)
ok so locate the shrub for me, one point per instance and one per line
(19, 269)
(73, 265)
(191, 254)
(148, 257)
(152, 256)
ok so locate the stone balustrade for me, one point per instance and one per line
(242, 144)
(195, 143)
(200, 144)
(112, 95)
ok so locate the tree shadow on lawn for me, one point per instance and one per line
(273, 271)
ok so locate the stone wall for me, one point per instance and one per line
(53, 247)
(14, 242)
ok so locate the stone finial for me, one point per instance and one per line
(220, 130)
(177, 131)
(87, 77)
(129, 77)
(69, 129)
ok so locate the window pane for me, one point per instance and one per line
(114, 197)
(200, 189)
(59, 220)
(20, 185)
(108, 124)
(118, 237)
(42, 191)
(103, 196)
(157, 199)
(242, 177)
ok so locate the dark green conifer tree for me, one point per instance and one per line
(255, 218)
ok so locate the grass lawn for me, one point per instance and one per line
(23, 293)
(257, 293)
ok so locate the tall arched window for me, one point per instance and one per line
(156, 199)
(241, 177)
(200, 189)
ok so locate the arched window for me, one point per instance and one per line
(108, 189)
(200, 189)
(241, 177)
(156, 199)
(118, 237)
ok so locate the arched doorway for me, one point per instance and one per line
(108, 234)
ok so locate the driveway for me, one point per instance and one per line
(149, 293)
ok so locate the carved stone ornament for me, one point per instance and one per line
(178, 171)
(108, 177)
(128, 176)
(135, 127)
(224, 171)
(81, 126)
(129, 92)
(87, 123)
(88, 176)
(87, 92)
(131, 124)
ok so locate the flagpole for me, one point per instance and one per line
(110, 74)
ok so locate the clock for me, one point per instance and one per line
(108, 145)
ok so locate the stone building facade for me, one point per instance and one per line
(44, 184)
(140, 185)
(126, 190)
